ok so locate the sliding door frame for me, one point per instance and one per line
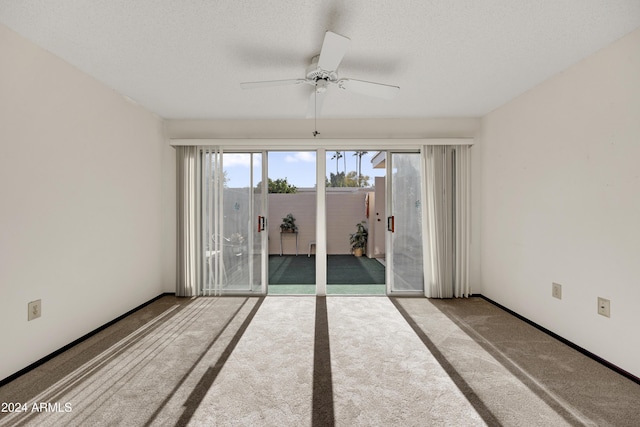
(390, 212)
(321, 222)
(214, 202)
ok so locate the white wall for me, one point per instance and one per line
(85, 207)
(168, 216)
(461, 127)
(561, 203)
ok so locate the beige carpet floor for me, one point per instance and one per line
(299, 361)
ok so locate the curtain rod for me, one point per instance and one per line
(276, 143)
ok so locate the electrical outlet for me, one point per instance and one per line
(556, 290)
(604, 307)
(34, 309)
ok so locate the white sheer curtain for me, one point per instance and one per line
(213, 270)
(200, 270)
(188, 216)
(447, 172)
(462, 220)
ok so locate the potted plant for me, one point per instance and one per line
(358, 239)
(288, 224)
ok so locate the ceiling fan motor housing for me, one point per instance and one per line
(321, 77)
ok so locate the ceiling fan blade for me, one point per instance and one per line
(333, 49)
(315, 104)
(362, 87)
(269, 83)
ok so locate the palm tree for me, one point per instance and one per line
(337, 156)
(359, 167)
(345, 162)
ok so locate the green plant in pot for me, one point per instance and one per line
(358, 239)
(288, 224)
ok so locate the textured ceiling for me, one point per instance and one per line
(185, 59)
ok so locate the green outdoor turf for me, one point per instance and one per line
(341, 269)
(292, 290)
(352, 270)
(292, 270)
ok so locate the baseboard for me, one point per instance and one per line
(565, 341)
(78, 341)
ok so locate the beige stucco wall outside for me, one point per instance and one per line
(344, 210)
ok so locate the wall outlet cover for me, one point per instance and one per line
(604, 307)
(556, 290)
(34, 309)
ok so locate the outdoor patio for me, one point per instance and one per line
(346, 275)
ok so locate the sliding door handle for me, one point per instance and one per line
(262, 222)
(391, 223)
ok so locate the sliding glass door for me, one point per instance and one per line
(234, 203)
(292, 230)
(354, 224)
(224, 246)
(404, 223)
(234, 233)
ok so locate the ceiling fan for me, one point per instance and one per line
(323, 72)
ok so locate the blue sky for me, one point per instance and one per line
(298, 167)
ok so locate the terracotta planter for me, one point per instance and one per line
(357, 252)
